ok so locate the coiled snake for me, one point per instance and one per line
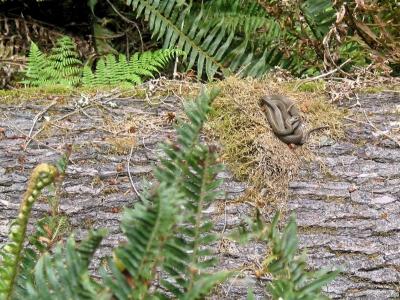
(285, 120)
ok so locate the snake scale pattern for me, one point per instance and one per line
(285, 120)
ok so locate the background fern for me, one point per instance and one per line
(218, 35)
(243, 37)
(110, 71)
(291, 280)
(65, 66)
(37, 63)
(62, 66)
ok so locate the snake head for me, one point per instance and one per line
(294, 120)
(261, 101)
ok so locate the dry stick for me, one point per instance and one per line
(33, 139)
(128, 21)
(322, 75)
(374, 127)
(35, 119)
(129, 170)
(224, 228)
(175, 74)
(96, 101)
(380, 131)
(235, 279)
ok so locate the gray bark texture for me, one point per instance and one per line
(348, 216)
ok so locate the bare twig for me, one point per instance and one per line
(235, 279)
(33, 139)
(175, 73)
(35, 119)
(128, 21)
(129, 170)
(224, 228)
(322, 75)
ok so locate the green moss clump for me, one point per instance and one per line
(312, 86)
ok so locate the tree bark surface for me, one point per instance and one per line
(348, 213)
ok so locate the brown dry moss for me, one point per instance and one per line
(249, 147)
(121, 145)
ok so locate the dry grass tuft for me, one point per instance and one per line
(249, 147)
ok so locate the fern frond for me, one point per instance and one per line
(147, 228)
(228, 41)
(12, 252)
(37, 62)
(62, 66)
(196, 168)
(319, 15)
(290, 278)
(166, 19)
(65, 275)
(247, 20)
(113, 75)
(88, 247)
(148, 63)
(109, 70)
(65, 66)
(101, 76)
(168, 228)
(88, 77)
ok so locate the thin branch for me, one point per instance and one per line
(128, 21)
(322, 75)
(129, 170)
(35, 119)
(35, 140)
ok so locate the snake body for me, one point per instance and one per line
(281, 122)
(285, 120)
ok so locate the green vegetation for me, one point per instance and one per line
(251, 37)
(290, 279)
(226, 37)
(168, 249)
(110, 71)
(62, 67)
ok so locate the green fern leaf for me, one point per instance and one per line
(37, 62)
(65, 275)
(88, 77)
(65, 66)
(319, 15)
(216, 35)
(101, 76)
(290, 278)
(109, 70)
